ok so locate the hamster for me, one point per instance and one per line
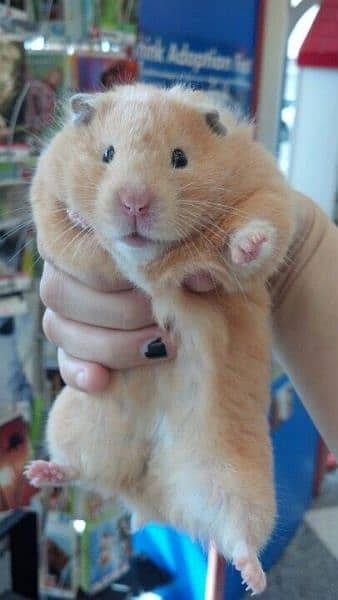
(156, 185)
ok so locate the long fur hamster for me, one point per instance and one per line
(156, 185)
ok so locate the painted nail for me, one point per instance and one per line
(156, 349)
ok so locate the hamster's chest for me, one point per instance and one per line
(131, 263)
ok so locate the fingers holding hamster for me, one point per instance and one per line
(110, 348)
(126, 309)
(85, 376)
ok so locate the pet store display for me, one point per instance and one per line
(49, 51)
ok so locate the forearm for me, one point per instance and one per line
(305, 300)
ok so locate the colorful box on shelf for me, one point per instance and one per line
(91, 71)
(14, 283)
(13, 306)
(12, 286)
(15, 451)
(86, 543)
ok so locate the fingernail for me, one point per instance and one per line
(81, 379)
(155, 349)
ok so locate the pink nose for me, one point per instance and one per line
(135, 202)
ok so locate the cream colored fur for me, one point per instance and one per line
(185, 442)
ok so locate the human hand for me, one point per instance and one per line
(98, 331)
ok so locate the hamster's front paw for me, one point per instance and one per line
(41, 472)
(252, 243)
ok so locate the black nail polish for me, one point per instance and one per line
(7, 327)
(156, 349)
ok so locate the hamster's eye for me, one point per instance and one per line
(108, 154)
(178, 159)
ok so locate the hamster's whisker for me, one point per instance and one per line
(21, 248)
(84, 239)
(15, 230)
(198, 254)
(221, 205)
(198, 230)
(208, 225)
(24, 209)
(230, 209)
(81, 232)
(94, 244)
(80, 243)
(65, 232)
(221, 255)
(207, 184)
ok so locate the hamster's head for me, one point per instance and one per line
(145, 168)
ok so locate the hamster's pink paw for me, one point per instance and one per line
(252, 573)
(252, 242)
(41, 472)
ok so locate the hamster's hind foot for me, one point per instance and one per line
(250, 568)
(42, 472)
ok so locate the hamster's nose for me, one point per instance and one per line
(135, 202)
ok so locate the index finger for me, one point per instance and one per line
(124, 310)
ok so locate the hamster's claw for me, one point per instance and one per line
(252, 574)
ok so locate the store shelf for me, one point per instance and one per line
(9, 520)
(9, 223)
(13, 182)
(15, 284)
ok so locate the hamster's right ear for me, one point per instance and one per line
(82, 108)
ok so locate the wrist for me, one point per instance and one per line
(311, 227)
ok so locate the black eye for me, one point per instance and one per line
(15, 440)
(178, 159)
(108, 154)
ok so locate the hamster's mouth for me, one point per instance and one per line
(134, 239)
(137, 240)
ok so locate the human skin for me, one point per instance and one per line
(98, 331)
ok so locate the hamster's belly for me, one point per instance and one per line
(111, 437)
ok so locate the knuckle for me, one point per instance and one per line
(48, 326)
(125, 316)
(139, 314)
(63, 367)
(51, 291)
(119, 317)
(112, 356)
(126, 320)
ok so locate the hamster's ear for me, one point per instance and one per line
(214, 122)
(82, 108)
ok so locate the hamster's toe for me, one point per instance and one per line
(252, 573)
(252, 242)
(42, 472)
